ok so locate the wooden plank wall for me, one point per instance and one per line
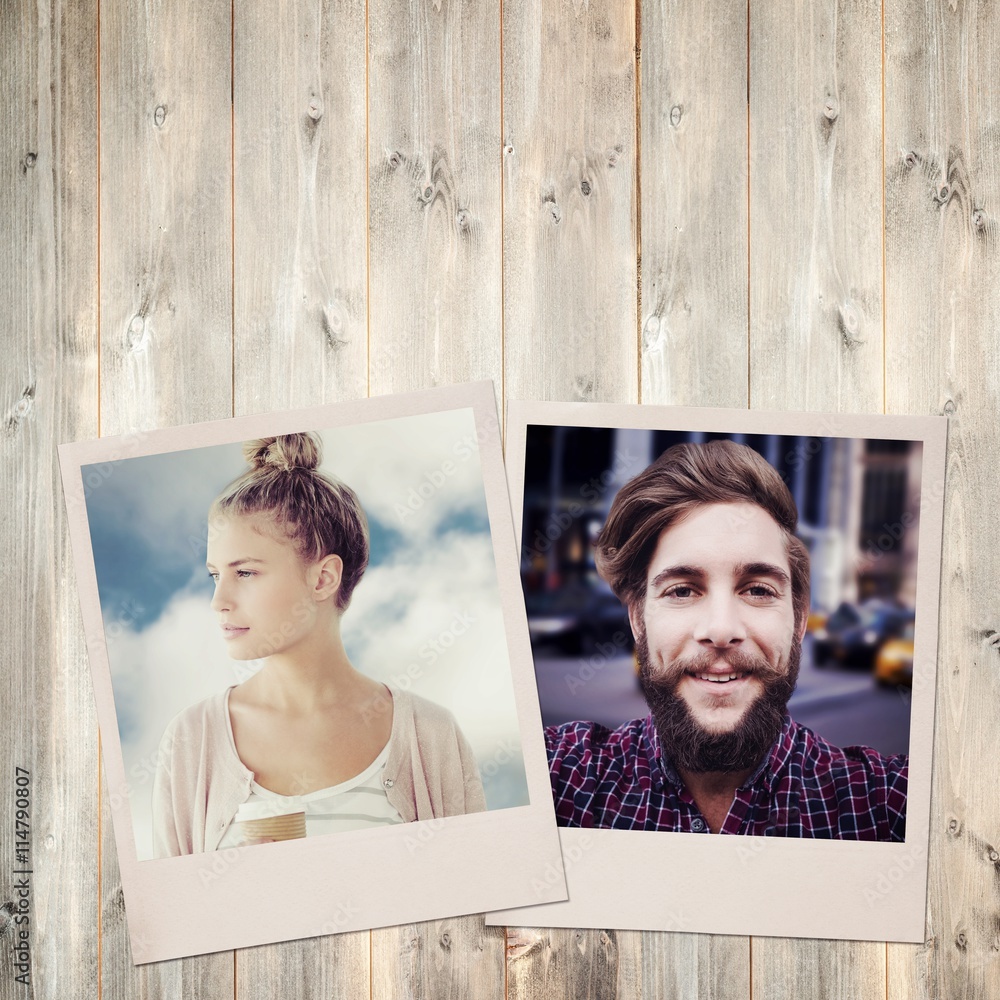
(224, 208)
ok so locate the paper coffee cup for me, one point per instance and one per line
(289, 826)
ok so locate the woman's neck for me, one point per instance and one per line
(315, 672)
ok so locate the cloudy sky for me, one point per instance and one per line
(432, 576)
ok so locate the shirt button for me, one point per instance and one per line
(388, 782)
(697, 825)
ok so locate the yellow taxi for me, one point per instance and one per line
(894, 660)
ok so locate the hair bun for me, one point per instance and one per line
(285, 452)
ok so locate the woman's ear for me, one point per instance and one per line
(331, 572)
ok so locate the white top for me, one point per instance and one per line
(355, 804)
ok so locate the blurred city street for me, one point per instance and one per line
(843, 705)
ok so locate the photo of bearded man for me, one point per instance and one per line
(701, 549)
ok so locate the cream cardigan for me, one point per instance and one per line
(200, 781)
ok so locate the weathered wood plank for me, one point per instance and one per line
(815, 206)
(435, 317)
(816, 300)
(693, 179)
(455, 959)
(434, 194)
(570, 310)
(300, 229)
(809, 968)
(48, 394)
(300, 192)
(694, 232)
(709, 967)
(942, 189)
(559, 964)
(569, 168)
(166, 303)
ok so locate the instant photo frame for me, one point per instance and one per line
(507, 855)
(778, 886)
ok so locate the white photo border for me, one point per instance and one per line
(784, 887)
(355, 880)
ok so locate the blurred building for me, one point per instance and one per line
(858, 503)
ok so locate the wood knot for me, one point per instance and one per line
(911, 159)
(21, 409)
(135, 335)
(676, 113)
(961, 941)
(394, 160)
(160, 115)
(954, 826)
(850, 323)
(6, 914)
(30, 160)
(949, 407)
(508, 150)
(315, 108)
(462, 219)
(445, 941)
(585, 188)
(831, 109)
(979, 220)
(942, 194)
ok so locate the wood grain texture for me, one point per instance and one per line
(693, 182)
(334, 966)
(816, 301)
(694, 234)
(706, 966)
(815, 206)
(434, 193)
(942, 188)
(435, 286)
(455, 959)
(559, 964)
(48, 394)
(569, 169)
(570, 310)
(166, 218)
(300, 195)
(299, 288)
(166, 305)
(821, 969)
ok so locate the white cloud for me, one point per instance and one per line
(414, 473)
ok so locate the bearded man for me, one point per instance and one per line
(700, 548)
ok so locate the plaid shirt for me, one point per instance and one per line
(804, 787)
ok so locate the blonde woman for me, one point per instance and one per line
(308, 732)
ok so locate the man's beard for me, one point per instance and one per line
(685, 741)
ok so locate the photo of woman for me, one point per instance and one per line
(309, 744)
(312, 671)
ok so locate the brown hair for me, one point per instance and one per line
(320, 515)
(684, 477)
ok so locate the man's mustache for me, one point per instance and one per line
(741, 662)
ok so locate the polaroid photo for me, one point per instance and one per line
(312, 671)
(733, 616)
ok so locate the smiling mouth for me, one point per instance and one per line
(719, 678)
